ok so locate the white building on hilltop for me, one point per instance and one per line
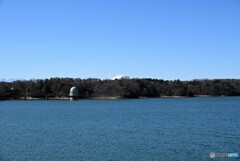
(119, 77)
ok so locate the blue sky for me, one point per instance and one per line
(165, 39)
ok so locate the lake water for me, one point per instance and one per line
(136, 129)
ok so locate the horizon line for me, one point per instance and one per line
(34, 79)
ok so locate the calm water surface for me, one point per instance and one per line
(138, 129)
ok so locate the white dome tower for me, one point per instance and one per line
(73, 93)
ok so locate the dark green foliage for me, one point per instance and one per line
(108, 88)
(125, 88)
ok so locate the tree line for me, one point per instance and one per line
(124, 88)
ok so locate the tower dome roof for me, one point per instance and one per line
(73, 91)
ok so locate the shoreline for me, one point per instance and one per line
(104, 98)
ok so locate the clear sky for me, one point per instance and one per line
(165, 39)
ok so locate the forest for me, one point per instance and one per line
(124, 88)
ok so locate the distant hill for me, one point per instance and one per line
(118, 88)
